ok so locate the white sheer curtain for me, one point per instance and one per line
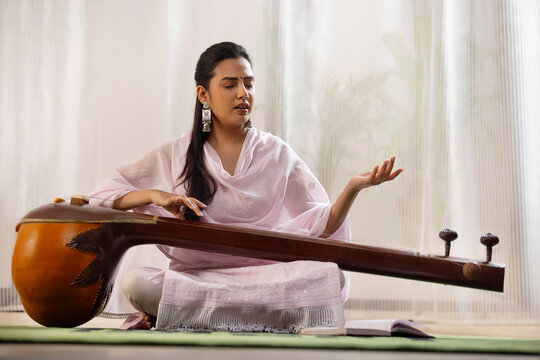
(449, 87)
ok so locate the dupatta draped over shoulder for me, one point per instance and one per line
(271, 189)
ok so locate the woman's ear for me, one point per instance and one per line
(202, 94)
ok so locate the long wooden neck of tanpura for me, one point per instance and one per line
(120, 230)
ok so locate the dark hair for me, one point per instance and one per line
(199, 183)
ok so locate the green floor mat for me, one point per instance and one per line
(442, 343)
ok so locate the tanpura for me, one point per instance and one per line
(66, 256)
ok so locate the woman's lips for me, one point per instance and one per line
(242, 111)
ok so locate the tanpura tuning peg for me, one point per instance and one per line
(448, 236)
(489, 240)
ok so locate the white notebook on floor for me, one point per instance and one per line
(378, 327)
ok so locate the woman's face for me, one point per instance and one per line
(230, 94)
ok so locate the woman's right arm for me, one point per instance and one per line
(170, 202)
(134, 185)
(133, 199)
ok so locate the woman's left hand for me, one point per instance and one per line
(343, 204)
(375, 177)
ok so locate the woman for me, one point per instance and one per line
(228, 173)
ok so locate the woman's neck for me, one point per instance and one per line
(227, 137)
(228, 145)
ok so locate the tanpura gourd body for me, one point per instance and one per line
(44, 269)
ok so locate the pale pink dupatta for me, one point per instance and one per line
(271, 189)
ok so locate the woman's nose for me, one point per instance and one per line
(242, 92)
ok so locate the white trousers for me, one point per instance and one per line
(143, 288)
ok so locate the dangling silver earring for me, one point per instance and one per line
(247, 124)
(206, 117)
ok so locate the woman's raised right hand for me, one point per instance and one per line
(175, 203)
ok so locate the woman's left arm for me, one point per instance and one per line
(343, 204)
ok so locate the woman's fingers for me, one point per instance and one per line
(379, 177)
(176, 211)
(190, 203)
(373, 175)
(179, 214)
(383, 169)
(390, 166)
(199, 203)
(175, 204)
(384, 172)
(394, 174)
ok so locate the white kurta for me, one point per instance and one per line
(271, 189)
